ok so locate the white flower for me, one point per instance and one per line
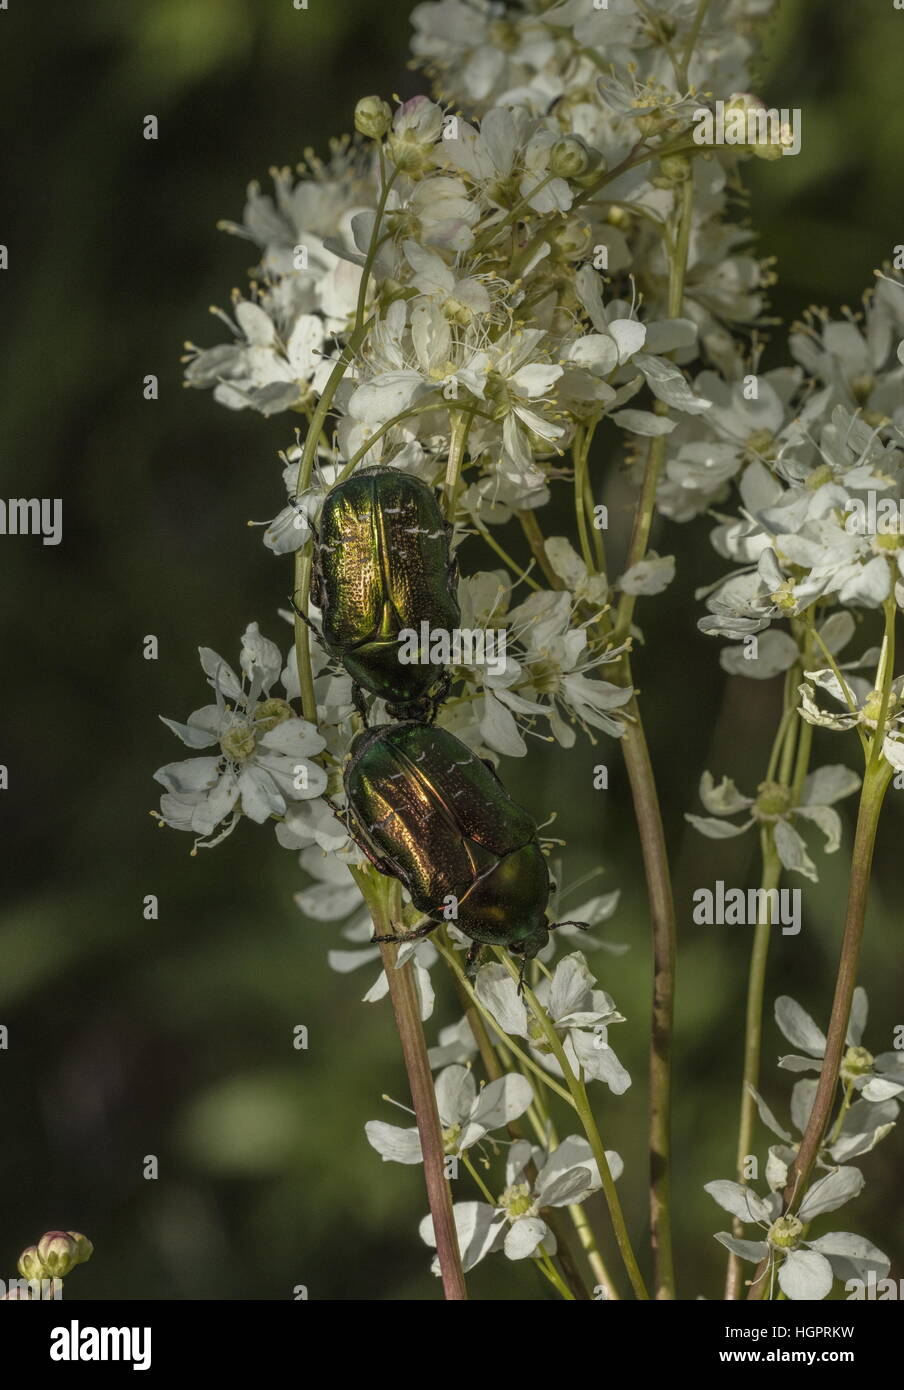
(412, 353)
(580, 1014)
(519, 383)
(568, 1175)
(262, 370)
(555, 660)
(806, 1268)
(852, 358)
(877, 1079)
(860, 707)
(264, 760)
(416, 127)
(774, 806)
(466, 1114)
(461, 300)
(436, 212)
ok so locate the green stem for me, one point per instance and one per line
(843, 1108)
(753, 1035)
(846, 689)
(460, 429)
(664, 931)
(789, 761)
(643, 520)
(488, 238)
(585, 1113)
(580, 452)
(412, 411)
(652, 835)
(682, 68)
(546, 1265)
(552, 1217)
(528, 1062)
(885, 675)
(598, 542)
(534, 536)
(520, 574)
(587, 1237)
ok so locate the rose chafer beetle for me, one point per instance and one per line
(428, 811)
(382, 565)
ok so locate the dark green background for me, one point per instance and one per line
(174, 1037)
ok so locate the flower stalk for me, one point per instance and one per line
(872, 796)
(652, 835)
(585, 1114)
(383, 899)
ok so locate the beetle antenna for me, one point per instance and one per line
(584, 926)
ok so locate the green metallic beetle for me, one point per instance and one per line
(382, 565)
(428, 811)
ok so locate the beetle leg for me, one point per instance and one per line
(454, 570)
(442, 693)
(359, 702)
(342, 814)
(382, 866)
(416, 934)
(473, 955)
(491, 766)
(305, 619)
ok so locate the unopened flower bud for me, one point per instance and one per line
(373, 117)
(770, 151)
(569, 157)
(676, 168)
(57, 1253)
(30, 1266)
(744, 102)
(655, 122)
(84, 1248)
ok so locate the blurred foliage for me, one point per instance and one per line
(174, 1037)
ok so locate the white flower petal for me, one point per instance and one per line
(805, 1274)
(798, 1027)
(831, 1192)
(394, 1145)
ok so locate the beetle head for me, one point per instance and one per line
(414, 711)
(534, 940)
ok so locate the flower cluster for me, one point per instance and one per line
(816, 453)
(806, 1268)
(470, 290)
(470, 298)
(536, 1177)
